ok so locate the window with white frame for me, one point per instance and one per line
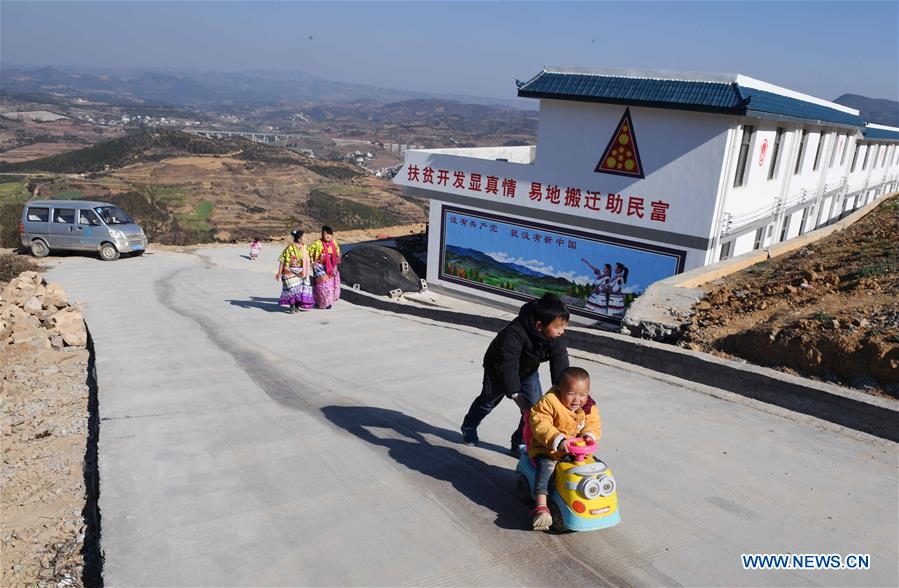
(845, 150)
(785, 228)
(822, 138)
(745, 143)
(833, 150)
(801, 153)
(802, 222)
(855, 158)
(867, 153)
(759, 238)
(775, 152)
(725, 250)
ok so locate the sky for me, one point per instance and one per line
(476, 48)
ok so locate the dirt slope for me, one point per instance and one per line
(829, 310)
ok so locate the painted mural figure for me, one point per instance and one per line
(598, 301)
(616, 290)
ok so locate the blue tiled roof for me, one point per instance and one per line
(722, 97)
(874, 134)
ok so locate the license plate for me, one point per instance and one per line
(136, 247)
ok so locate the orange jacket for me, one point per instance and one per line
(552, 422)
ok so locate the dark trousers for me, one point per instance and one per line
(490, 396)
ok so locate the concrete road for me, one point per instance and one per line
(240, 445)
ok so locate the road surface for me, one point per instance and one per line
(240, 445)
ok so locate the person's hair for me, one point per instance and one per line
(624, 269)
(255, 239)
(605, 265)
(574, 374)
(549, 308)
(297, 235)
(327, 230)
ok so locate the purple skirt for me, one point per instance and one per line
(296, 291)
(326, 289)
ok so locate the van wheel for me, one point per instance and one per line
(39, 248)
(108, 252)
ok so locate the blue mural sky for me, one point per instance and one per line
(554, 259)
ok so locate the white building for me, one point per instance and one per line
(655, 171)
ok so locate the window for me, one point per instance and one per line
(772, 171)
(855, 157)
(802, 222)
(64, 215)
(822, 138)
(845, 150)
(759, 238)
(725, 251)
(785, 228)
(38, 214)
(798, 167)
(833, 150)
(88, 217)
(867, 153)
(883, 159)
(745, 142)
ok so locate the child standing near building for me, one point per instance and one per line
(512, 360)
(564, 414)
(255, 248)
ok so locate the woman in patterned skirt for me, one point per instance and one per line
(294, 269)
(325, 255)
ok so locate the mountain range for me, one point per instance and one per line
(199, 89)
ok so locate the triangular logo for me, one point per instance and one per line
(621, 156)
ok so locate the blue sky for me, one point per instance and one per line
(475, 48)
(554, 259)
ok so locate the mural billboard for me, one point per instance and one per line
(596, 275)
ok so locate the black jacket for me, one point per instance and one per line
(518, 350)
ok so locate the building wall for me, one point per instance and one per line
(828, 191)
(681, 152)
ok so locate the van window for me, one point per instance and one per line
(113, 215)
(38, 214)
(64, 215)
(88, 217)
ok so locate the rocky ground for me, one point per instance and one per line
(44, 399)
(829, 310)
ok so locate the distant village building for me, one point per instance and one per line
(637, 176)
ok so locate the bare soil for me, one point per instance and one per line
(37, 151)
(829, 310)
(44, 429)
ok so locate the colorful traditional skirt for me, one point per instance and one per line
(296, 290)
(598, 303)
(616, 305)
(326, 289)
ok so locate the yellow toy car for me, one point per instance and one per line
(583, 496)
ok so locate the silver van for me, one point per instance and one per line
(80, 225)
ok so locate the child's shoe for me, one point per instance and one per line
(543, 520)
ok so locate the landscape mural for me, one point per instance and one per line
(596, 276)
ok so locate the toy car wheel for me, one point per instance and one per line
(39, 248)
(558, 523)
(523, 489)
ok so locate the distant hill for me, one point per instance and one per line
(156, 144)
(197, 89)
(873, 110)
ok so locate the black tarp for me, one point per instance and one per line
(378, 270)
